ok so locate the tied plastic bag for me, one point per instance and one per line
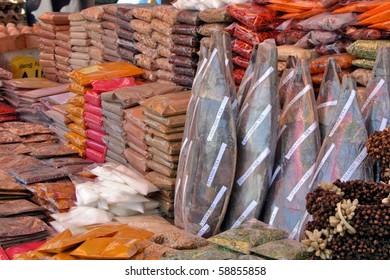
(286, 79)
(256, 131)
(204, 191)
(295, 162)
(328, 96)
(376, 106)
(105, 71)
(318, 37)
(343, 154)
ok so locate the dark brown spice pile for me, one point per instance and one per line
(378, 146)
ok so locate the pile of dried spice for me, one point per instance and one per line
(378, 146)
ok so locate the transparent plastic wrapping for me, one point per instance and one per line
(190, 17)
(76, 139)
(366, 49)
(188, 62)
(104, 71)
(335, 48)
(62, 44)
(46, 34)
(209, 28)
(166, 13)
(171, 148)
(151, 53)
(145, 40)
(95, 156)
(141, 26)
(286, 79)
(125, 34)
(162, 27)
(162, 39)
(207, 178)
(318, 37)
(178, 70)
(248, 36)
(145, 62)
(328, 96)
(183, 29)
(343, 154)
(376, 106)
(363, 33)
(93, 109)
(24, 128)
(254, 16)
(143, 13)
(215, 15)
(93, 13)
(77, 120)
(124, 24)
(259, 114)
(318, 65)
(130, 45)
(286, 51)
(136, 160)
(328, 21)
(173, 137)
(295, 162)
(124, 13)
(163, 51)
(169, 104)
(134, 131)
(55, 18)
(127, 54)
(183, 80)
(135, 116)
(290, 37)
(163, 63)
(164, 74)
(362, 76)
(184, 50)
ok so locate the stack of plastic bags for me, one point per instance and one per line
(252, 28)
(185, 46)
(7, 113)
(164, 118)
(116, 191)
(126, 43)
(110, 37)
(122, 133)
(80, 42)
(94, 27)
(87, 130)
(55, 50)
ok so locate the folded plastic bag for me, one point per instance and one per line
(76, 139)
(104, 71)
(335, 48)
(295, 162)
(328, 21)
(317, 37)
(328, 96)
(376, 106)
(254, 16)
(256, 131)
(366, 48)
(318, 65)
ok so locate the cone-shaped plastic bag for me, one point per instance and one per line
(211, 161)
(328, 96)
(256, 133)
(187, 135)
(343, 154)
(300, 144)
(376, 106)
(247, 81)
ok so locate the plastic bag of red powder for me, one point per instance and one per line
(95, 156)
(112, 84)
(238, 75)
(253, 16)
(96, 135)
(249, 36)
(242, 48)
(88, 117)
(101, 148)
(241, 61)
(3, 255)
(93, 97)
(22, 248)
(5, 109)
(93, 109)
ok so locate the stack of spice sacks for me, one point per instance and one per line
(63, 47)
(185, 47)
(110, 38)
(141, 24)
(51, 23)
(252, 28)
(126, 43)
(129, 131)
(87, 131)
(79, 41)
(100, 120)
(164, 117)
(164, 18)
(93, 25)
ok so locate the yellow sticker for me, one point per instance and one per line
(25, 67)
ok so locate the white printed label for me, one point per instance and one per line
(252, 168)
(213, 206)
(183, 145)
(203, 230)
(256, 124)
(294, 231)
(276, 172)
(178, 183)
(281, 132)
(247, 211)
(300, 183)
(324, 159)
(185, 183)
(273, 215)
(200, 71)
(259, 81)
(343, 113)
(355, 165)
(234, 105)
(243, 109)
(373, 93)
(218, 118)
(327, 104)
(287, 78)
(300, 140)
(296, 98)
(216, 165)
(383, 124)
(302, 221)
